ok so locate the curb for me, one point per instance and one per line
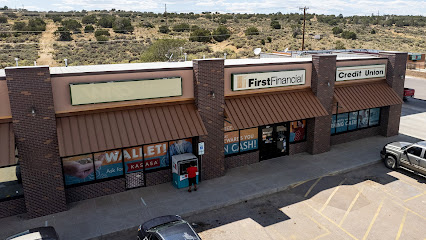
(115, 235)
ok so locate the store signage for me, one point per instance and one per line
(360, 72)
(249, 81)
(201, 148)
(90, 93)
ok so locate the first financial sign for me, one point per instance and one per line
(248, 81)
(360, 72)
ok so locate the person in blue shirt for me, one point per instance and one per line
(180, 147)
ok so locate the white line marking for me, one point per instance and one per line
(144, 203)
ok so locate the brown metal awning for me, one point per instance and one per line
(7, 145)
(363, 96)
(110, 130)
(264, 109)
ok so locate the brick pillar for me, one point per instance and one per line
(208, 79)
(395, 77)
(30, 88)
(322, 84)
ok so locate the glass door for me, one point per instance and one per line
(274, 141)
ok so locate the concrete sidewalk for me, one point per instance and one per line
(105, 215)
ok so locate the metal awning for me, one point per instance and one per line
(7, 145)
(269, 108)
(363, 96)
(125, 128)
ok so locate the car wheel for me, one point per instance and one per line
(390, 162)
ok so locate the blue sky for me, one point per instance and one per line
(349, 7)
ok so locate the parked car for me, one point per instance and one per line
(170, 227)
(405, 154)
(41, 233)
(408, 93)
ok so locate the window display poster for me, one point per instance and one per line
(297, 131)
(249, 139)
(133, 159)
(79, 169)
(110, 162)
(352, 120)
(342, 122)
(231, 142)
(180, 146)
(333, 125)
(156, 156)
(374, 116)
(363, 118)
(228, 125)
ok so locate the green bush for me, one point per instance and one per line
(349, 35)
(262, 41)
(163, 29)
(275, 25)
(200, 35)
(54, 17)
(194, 27)
(89, 19)
(122, 25)
(89, 29)
(251, 31)
(337, 30)
(3, 19)
(64, 34)
(19, 26)
(269, 39)
(373, 31)
(157, 51)
(147, 25)
(72, 25)
(34, 25)
(339, 45)
(102, 38)
(181, 27)
(102, 32)
(106, 21)
(221, 33)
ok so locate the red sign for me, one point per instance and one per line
(155, 162)
(134, 166)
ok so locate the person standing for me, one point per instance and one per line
(192, 176)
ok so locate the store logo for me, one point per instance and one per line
(247, 81)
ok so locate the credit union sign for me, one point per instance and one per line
(360, 72)
(249, 81)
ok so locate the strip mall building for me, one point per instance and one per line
(74, 133)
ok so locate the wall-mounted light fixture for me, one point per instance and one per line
(212, 94)
(66, 62)
(33, 111)
(16, 60)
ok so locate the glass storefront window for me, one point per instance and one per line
(156, 156)
(248, 139)
(333, 124)
(180, 147)
(363, 116)
(374, 116)
(108, 164)
(342, 122)
(10, 182)
(78, 169)
(231, 142)
(297, 131)
(353, 123)
(133, 159)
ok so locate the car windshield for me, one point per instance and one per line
(405, 147)
(178, 231)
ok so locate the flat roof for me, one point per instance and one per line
(187, 64)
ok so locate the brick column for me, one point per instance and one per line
(208, 79)
(395, 77)
(322, 84)
(30, 89)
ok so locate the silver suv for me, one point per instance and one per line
(405, 154)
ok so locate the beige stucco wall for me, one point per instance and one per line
(266, 68)
(4, 101)
(62, 98)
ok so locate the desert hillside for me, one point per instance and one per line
(101, 37)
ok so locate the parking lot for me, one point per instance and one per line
(369, 203)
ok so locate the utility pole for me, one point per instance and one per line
(165, 12)
(304, 19)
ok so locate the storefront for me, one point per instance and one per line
(99, 130)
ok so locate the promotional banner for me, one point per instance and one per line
(111, 164)
(133, 159)
(180, 147)
(247, 81)
(360, 72)
(342, 122)
(363, 118)
(353, 116)
(248, 139)
(297, 130)
(156, 156)
(79, 169)
(333, 125)
(231, 142)
(228, 126)
(374, 116)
